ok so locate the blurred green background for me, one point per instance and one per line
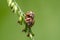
(47, 20)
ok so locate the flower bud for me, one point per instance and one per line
(9, 2)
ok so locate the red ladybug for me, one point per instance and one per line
(29, 18)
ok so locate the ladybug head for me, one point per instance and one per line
(30, 14)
